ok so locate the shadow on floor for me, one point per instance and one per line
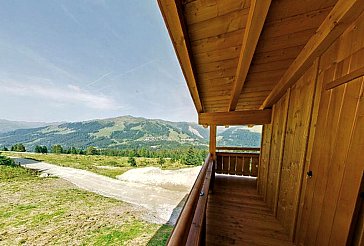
(162, 235)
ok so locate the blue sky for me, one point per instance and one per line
(72, 60)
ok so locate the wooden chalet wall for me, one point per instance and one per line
(320, 129)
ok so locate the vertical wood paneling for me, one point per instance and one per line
(319, 143)
(264, 159)
(298, 122)
(322, 156)
(337, 159)
(351, 181)
(276, 151)
(339, 155)
(311, 137)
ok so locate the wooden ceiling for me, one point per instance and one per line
(233, 53)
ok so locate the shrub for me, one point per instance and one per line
(161, 161)
(6, 161)
(91, 150)
(132, 162)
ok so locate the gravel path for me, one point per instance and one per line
(162, 200)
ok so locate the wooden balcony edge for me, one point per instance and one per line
(189, 225)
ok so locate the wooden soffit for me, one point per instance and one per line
(241, 55)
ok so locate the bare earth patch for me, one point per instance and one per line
(52, 211)
(162, 200)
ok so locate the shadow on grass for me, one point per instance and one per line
(24, 161)
(163, 233)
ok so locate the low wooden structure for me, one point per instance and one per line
(295, 67)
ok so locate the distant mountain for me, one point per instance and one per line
(126, 132)
(8, 125)
(237, 136)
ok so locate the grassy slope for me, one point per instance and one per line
(96, 163)
(51, 211)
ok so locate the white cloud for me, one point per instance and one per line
(70, 94)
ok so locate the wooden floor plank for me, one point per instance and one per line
(237, 215)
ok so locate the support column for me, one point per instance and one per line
(212, 146)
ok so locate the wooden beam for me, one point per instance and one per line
(238, 148)
(174, 20)
(256, 18)
(212, 145)
(258, 117)
(339, 19)
(345, 79)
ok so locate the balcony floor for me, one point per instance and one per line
(237, 215)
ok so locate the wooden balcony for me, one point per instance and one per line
(224, 207)
(237, 215)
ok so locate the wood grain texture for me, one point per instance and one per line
(257, 117)
(177, 31)
(237, 215)
(339, 19)
(276, 151)
(257, 13)
(264, 159)
(311, 138)
(330, 195)
(212, 143)
(296, 137)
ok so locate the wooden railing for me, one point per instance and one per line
(190, 228)
(241, 164)
(237, 149)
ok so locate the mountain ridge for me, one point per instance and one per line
(127, 132)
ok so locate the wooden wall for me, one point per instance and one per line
(276, 150)
(319, 130)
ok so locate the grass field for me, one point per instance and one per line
(51, 211)
(110, 166)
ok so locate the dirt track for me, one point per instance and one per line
(161, 199)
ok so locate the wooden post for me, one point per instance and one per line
(212, 146)
(212, 149)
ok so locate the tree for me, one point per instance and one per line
(57, 149)
(161, 161)
(5, 149)
(74, 150)
(44, 150)
(132, 162)
(38, 149)
(190, 158)
(91, 150)
(18, 148)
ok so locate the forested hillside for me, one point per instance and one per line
(126, 132)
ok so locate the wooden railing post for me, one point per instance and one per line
(212, 184)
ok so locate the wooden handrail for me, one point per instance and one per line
(237, 154)
(238, 148)
(197, 230)
(189, 226)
